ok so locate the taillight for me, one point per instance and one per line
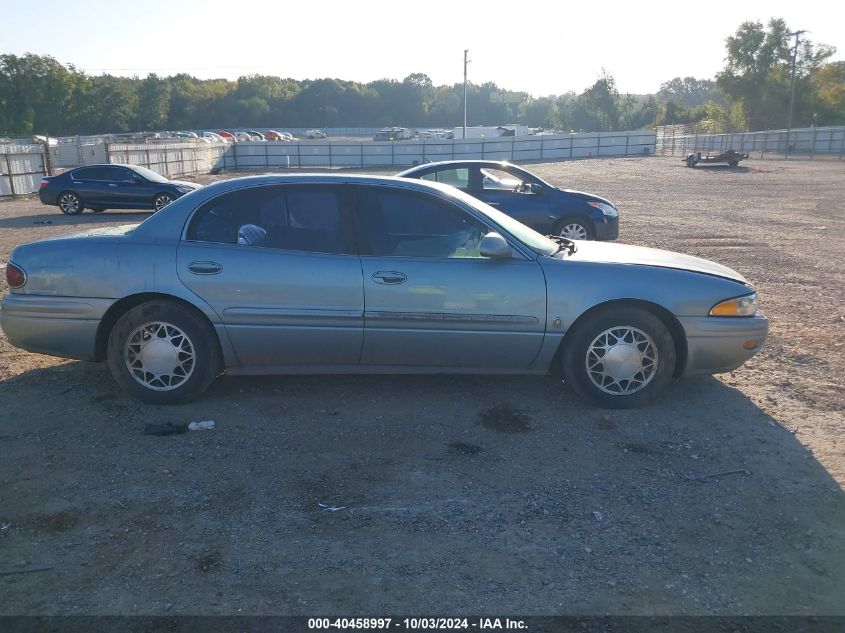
(15, 276)
(43, 182)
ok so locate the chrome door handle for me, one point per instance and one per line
(111, 184)
(494, 204)
(205, 268)
(389, 277)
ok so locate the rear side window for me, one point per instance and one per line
(306, 218)
(458, 178)
(401, 223)
(91, 173)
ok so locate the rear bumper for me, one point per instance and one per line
(56, 326)
(718, 344)
(46, 196)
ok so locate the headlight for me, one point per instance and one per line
(739, 307)
(608, 210)
(184, 189)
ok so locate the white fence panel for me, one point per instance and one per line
(21, 169)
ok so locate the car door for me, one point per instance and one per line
(277, 264)
(129, 190)
(431, 299)
(91, 183)
(507, 192)
(123, 191)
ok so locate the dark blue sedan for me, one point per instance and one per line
(527, 198)
(101, 187)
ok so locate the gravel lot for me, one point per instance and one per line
(461, 494)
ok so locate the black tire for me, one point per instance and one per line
(161, 200)
(70, 203)
(733, 163)
(187, 333)
(570, 220)
(583, 347)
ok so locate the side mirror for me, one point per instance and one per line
(495, 246)
(534, 187)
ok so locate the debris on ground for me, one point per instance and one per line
(328, 508)
(205, 425)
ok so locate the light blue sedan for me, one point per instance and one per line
(359, 274)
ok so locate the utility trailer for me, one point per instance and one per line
(731, 157)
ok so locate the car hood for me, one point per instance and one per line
(183, 183)
(571, 193)
(605, 252)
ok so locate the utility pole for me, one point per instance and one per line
(796, 34)
(466, 61)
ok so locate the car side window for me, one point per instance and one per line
(401, 223)
(458, 178)
(91, 173)
(292, 217)
(498, 180)
(118, 174)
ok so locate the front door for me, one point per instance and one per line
(510, 194)
(277, 264)
(431, 299)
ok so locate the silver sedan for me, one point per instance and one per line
(359, 274)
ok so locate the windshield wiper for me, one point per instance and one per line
(563, 243)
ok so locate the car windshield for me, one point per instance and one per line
(149, 174)
(524, 234)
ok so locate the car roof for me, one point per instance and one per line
(453, 163)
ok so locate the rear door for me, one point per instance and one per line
(91, 183)
(277, 264)
(431, 299)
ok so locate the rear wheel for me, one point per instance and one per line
(162, 352)
(621, 357)
(575, 228)
(70, 203)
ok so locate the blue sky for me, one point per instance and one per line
(542, 47)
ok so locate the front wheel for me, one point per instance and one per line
(620, 357)
(162, 200)
(575, 228)
(163, 353)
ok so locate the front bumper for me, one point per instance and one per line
(719, 344)
(607, 228)
(56, 326)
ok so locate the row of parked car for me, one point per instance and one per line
(429, 272)
(233, 136)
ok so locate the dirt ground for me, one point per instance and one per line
(461, 494)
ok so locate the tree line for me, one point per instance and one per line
(40, 95)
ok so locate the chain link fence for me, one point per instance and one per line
(682, 140)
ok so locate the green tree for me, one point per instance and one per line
(758, 74)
